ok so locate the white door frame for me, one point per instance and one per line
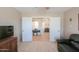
(49, 29)
(53, 31)
(27, 29)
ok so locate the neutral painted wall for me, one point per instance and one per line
(10, 16)
(71, 27)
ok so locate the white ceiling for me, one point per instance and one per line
(42, 9)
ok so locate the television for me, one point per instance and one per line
(6, 31)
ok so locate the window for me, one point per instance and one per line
(35, 24)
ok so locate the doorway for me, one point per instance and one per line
(40, 29)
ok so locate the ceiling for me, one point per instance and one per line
(42, 9)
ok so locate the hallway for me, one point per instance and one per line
(38, 46)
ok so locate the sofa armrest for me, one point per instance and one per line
(64, 41)
(75, 45)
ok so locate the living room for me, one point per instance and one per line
(10, 16)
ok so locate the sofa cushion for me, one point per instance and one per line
(74, 37)
(66, 48)
(75, 45)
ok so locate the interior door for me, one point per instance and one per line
(55, 28)
(26, 29)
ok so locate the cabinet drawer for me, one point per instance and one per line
(5, 47)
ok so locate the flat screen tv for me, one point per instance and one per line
(6, 31)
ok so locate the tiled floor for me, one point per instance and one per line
(39, 43)
(37, 46)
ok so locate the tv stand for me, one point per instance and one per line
(8, 44)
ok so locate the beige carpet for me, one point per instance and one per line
(37, 46)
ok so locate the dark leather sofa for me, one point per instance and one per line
(69, 45)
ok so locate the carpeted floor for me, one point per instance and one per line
(37, 46)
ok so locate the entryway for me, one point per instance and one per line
(50, 33)
(40, 29)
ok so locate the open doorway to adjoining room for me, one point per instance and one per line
(40, 29)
